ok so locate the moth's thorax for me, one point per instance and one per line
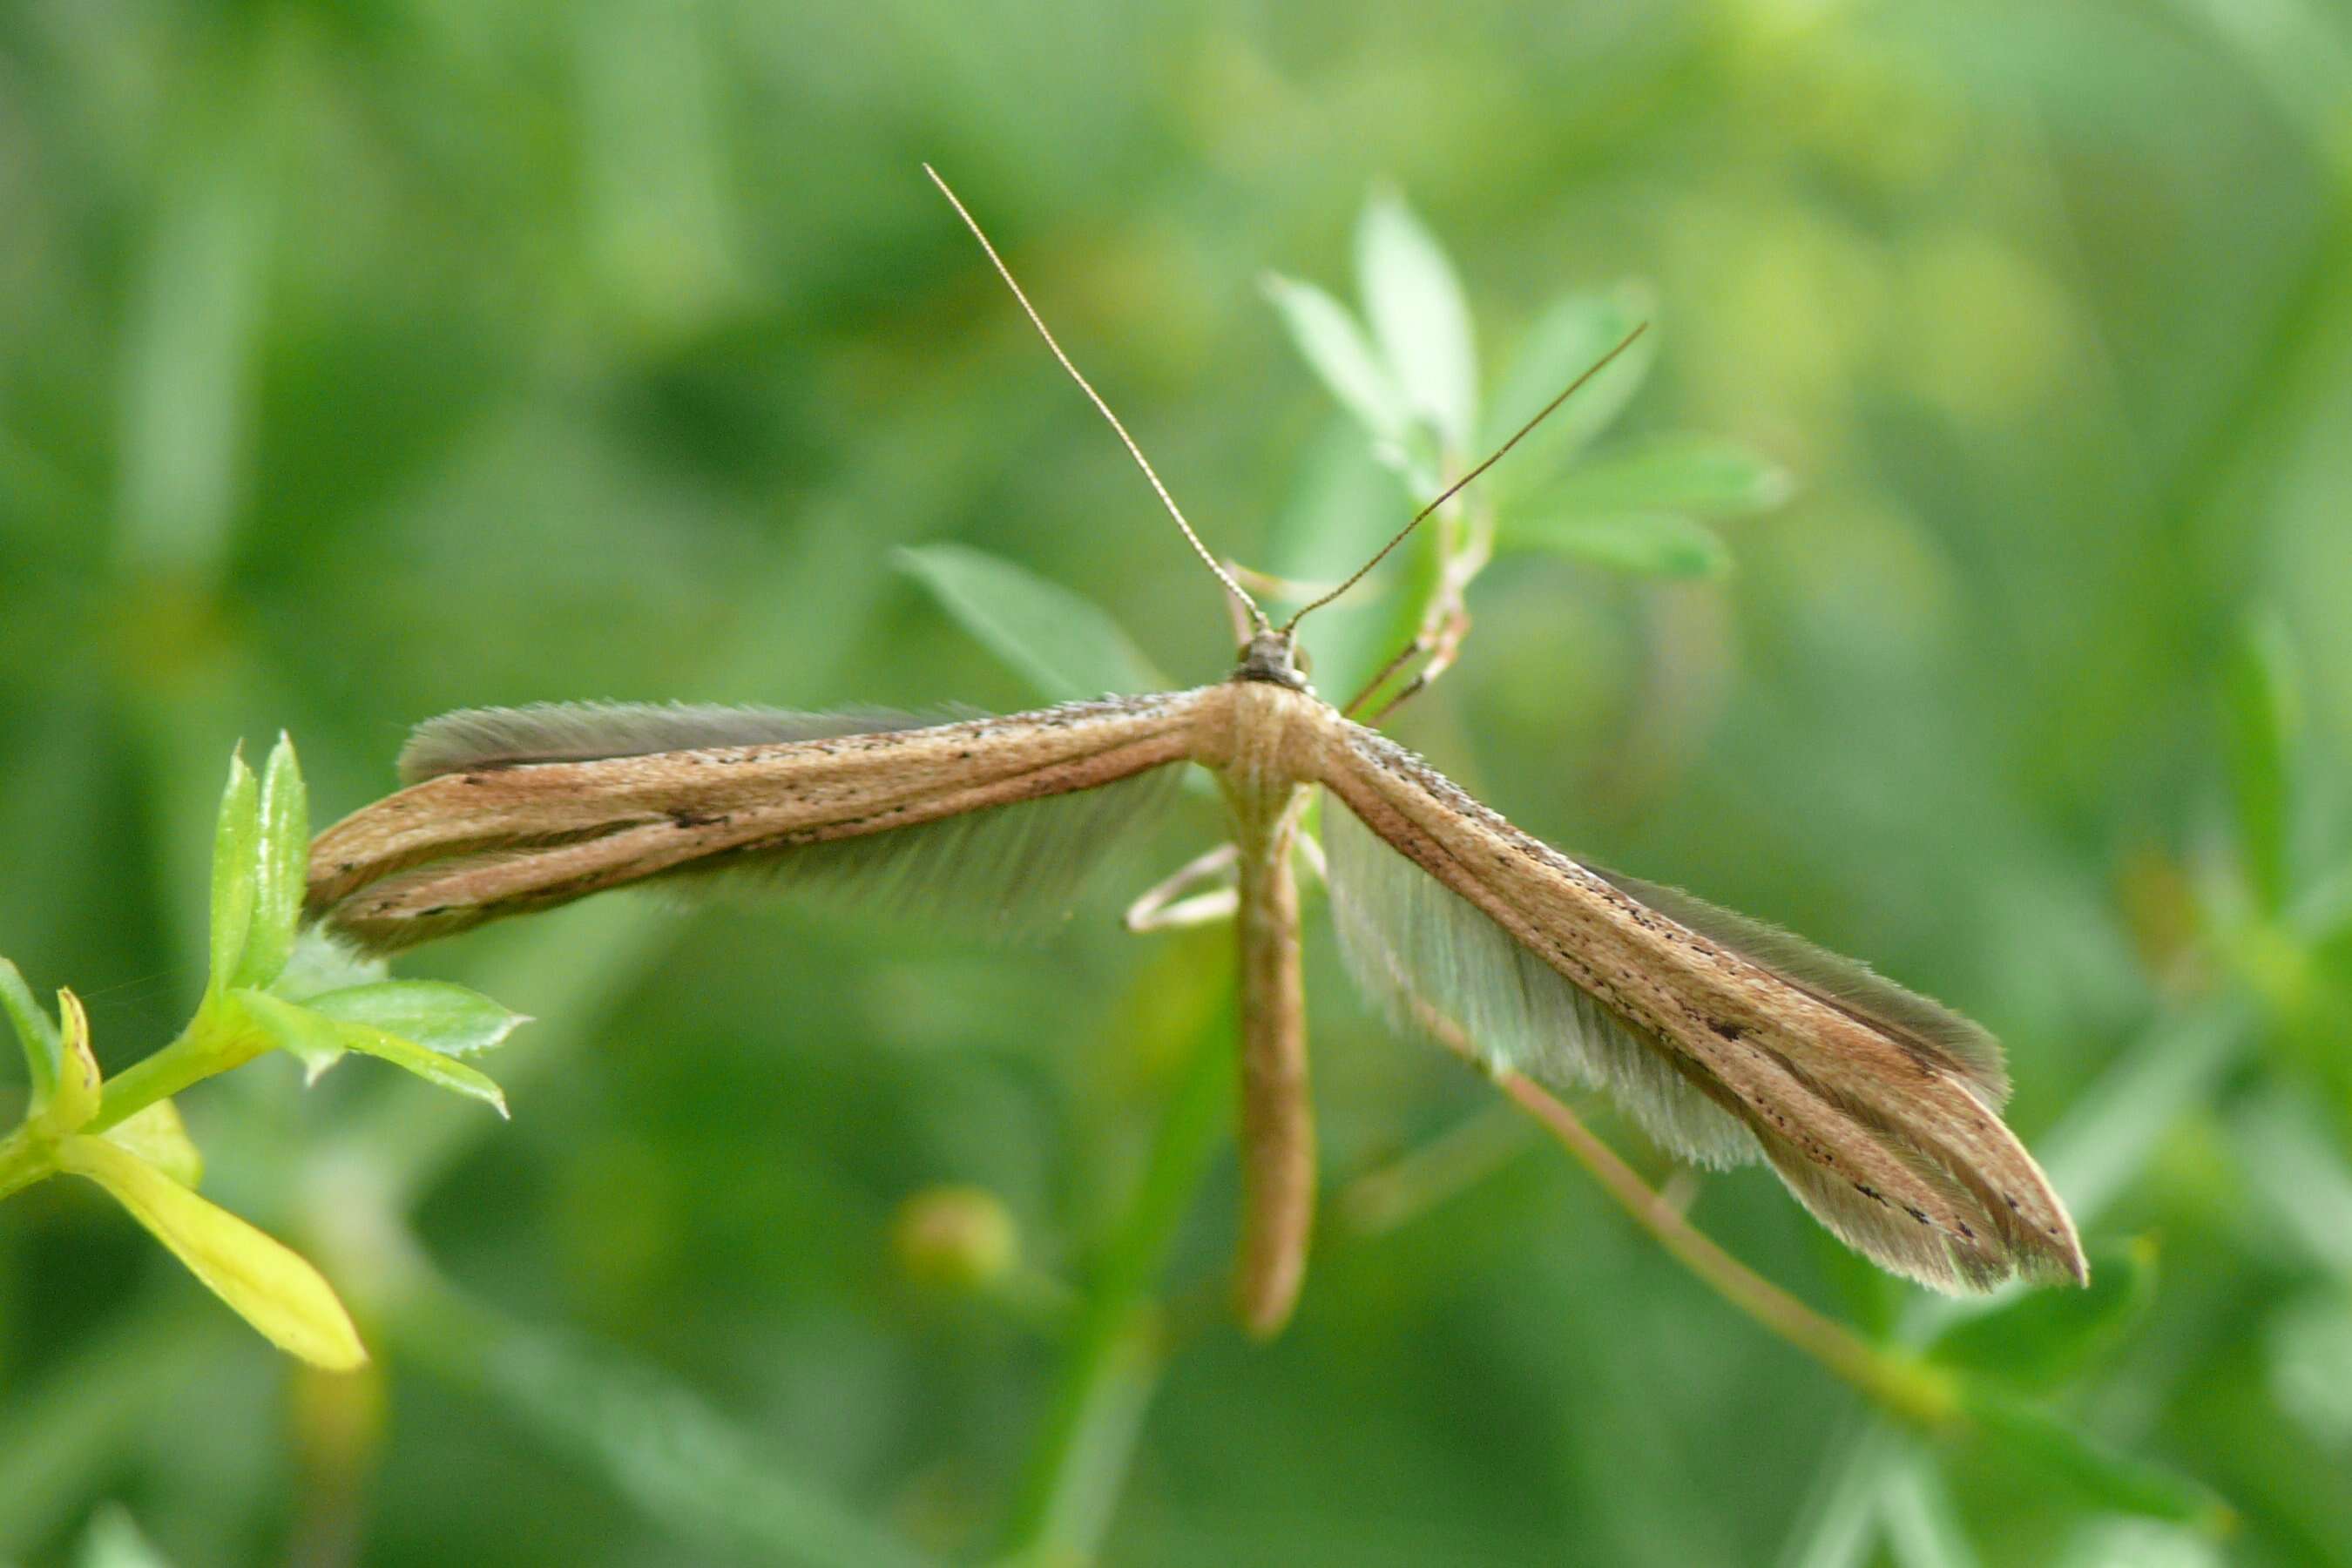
(1263, 739)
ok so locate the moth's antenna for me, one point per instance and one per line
(1235, 589)
(1457, 486)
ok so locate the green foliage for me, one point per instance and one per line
(126, 1136)
(37, 1034)
(361, 363)
(1420, 320)
(1067, 648)
(1648, 544)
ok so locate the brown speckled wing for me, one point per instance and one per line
(513, 811)
(1724, 1039)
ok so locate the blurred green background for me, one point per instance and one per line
(361, 362)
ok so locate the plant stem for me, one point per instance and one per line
(1116, 1353)
(216, 1040)
(1915, 1391)
(24, 1160)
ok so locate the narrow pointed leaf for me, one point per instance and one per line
(314, 1036)
(44, 1048)
(236, 838)
(158, 1136)
(283, 853)
(449, 1019)
(1699, 474)
(78, 1085)
(1068, 646)
(266, 1282)
(1567, 340)
(1418, 317)
(1336, 349)
(1647, 545)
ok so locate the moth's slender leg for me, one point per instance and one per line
(1277, 1122)
(1405, 656)
(1167, 907)
(1311, 853)
(1439, 643)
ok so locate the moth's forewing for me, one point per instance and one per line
(517, 819)
(1874, 1106)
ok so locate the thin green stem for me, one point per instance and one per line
(216, 1040)
(1914, 1392)
(1073, 1473)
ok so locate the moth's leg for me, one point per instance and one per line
(1171, 906)
(1438, 644)
(1465, 543)
(1311, 852)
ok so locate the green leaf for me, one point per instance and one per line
(115, 1541)
(319, 1041)
(44, 1051)
(1675, 473)
(2045, 1336)
(1334, 348)
(267, 1283)
(2265, 715)
(157, 1135)
(283, 855)
(1068, 646)
(1418, 317)
(2045, 1448)
(320, 965)
(1567, 340)
(1649, 544)
(237, 840)
(435, 1014)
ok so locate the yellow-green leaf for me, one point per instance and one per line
(266, 1282)
(77, 1097)
(158, 1136)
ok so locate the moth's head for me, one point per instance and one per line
(1274, 656)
